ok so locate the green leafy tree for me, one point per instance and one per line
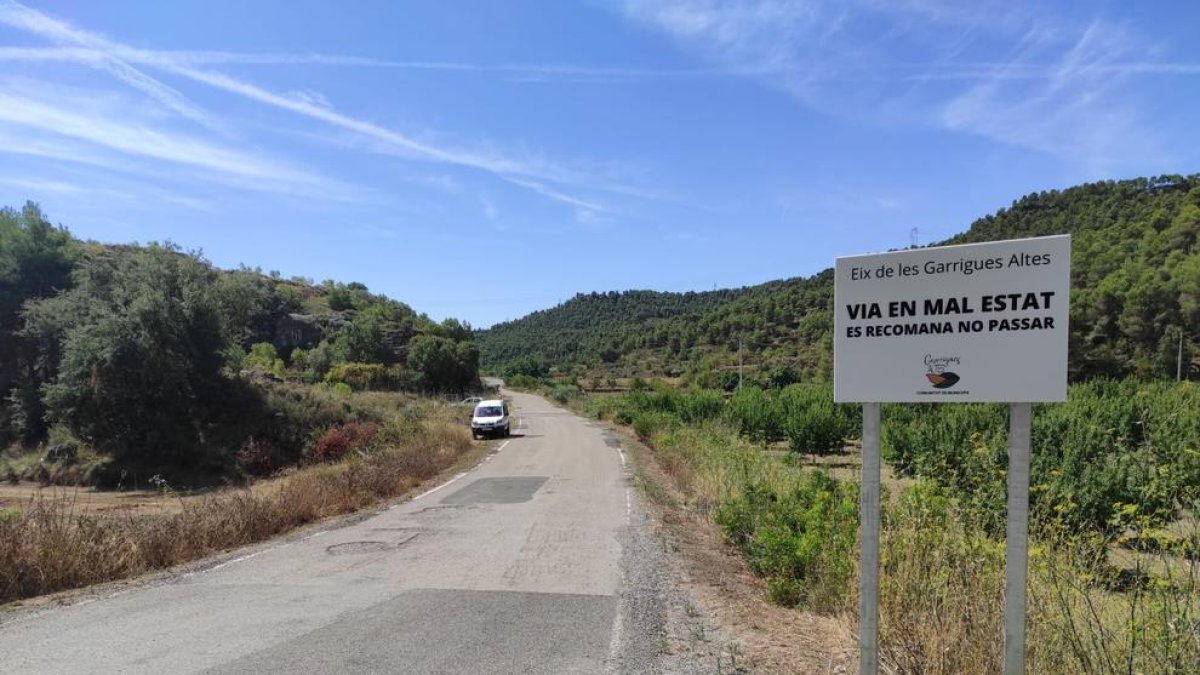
(362, 341)
(444, 365)
(36, 259)
(251, 303)
(142, 350)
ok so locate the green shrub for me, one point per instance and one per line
(646, 424)
(604, 407)
(358, 376)
(700, 405)
(1112, 444)
(812, 422)
(799, 540)
(564, 393)
(264, 357)
(756, 415)
(523, 382)
(288, 419)
(299, 359)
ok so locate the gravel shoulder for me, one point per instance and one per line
(715, 616)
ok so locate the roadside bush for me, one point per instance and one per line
(564, 393)
(281, 421)
(358, 376)
(646, 424)
(799, 540)
(604, 407)
(523, 382)
(259, 458)
(337, 442)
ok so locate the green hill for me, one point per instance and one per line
(153, 357)
(1136, 277)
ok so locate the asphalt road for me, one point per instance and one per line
(533, 562)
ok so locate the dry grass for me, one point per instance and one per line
(49, 545)
(941, 601)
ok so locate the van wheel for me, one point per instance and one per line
(506, 431)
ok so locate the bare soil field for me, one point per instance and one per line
(90, 500)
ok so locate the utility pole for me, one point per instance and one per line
(739, 364)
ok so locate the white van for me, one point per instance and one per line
(490, 419)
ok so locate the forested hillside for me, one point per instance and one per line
(1135, 268)
(151, 357)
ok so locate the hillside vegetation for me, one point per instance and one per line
(1136, 278)
(120, 360)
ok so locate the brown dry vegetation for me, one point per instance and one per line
(54, 544)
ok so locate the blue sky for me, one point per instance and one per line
(486, 159)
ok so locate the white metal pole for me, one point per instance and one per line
(868, 587)
(1016, 545)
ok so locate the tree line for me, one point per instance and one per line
(1135, 277)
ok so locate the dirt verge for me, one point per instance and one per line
(721, 614)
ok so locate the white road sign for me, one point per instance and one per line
(978, 322)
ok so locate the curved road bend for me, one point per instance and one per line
(528, 563)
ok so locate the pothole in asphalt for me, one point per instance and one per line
(353, 547)
(612, 442)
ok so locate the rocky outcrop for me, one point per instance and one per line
(305, 331)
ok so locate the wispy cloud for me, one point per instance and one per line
(110, 124)
(35, 188)
(1058, 88)
(549, 179)
(1076, 110)
(489, 207)
(200, 59)
(21, 17)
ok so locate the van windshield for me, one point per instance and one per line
(488, 411)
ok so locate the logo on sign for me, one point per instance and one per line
(937, 371)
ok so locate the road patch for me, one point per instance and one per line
(506, 490)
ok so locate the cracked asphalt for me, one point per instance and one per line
(535, 561)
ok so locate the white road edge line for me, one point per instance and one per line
(248, 556)
(431, 491)
(615, 642)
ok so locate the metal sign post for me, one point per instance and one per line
(868, 583)
(1016, 543)
(976, 323)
